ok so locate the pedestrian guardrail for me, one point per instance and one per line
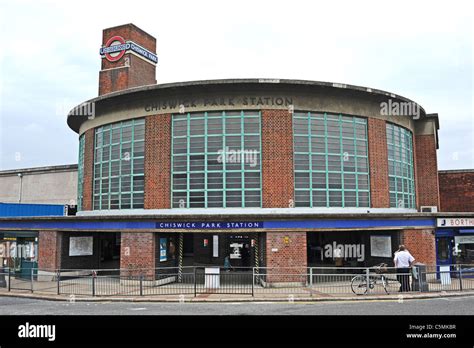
(261, 281)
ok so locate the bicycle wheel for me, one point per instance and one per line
(359, 285)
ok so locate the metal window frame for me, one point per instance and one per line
(224, 136)
(132, 192)
(309, 116)
(407, 146)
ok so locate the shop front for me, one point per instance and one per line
(455, 242)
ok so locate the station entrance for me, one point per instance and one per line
(234, 250)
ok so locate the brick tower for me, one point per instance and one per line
(128, 59)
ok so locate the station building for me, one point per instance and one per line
(266, 172)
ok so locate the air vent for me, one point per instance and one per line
(429, 209)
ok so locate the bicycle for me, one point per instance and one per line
(359, 282)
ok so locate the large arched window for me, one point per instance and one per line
(400, 167)
(330, 160)
(119, 165)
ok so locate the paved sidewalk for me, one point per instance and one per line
(234, 298)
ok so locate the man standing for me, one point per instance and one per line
(403, 261)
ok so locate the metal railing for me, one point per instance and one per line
(261, 281)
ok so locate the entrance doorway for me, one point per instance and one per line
(211, 249)
(109, 250)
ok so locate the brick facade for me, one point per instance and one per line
(158, 162)
(49, 250)
(277, 159)
(421, 244)
(286, 256)
(426, 170)
(129, 71)
(456, 190)
(137, 253)
(378, 163)
(88, 175)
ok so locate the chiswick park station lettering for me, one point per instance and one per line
(208, 225)
(220, 101)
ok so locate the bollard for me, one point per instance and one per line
(460, 278)
(419, 279)
(141, 285)
(9, 279)
(195, 280)
(93, 284)
(367, 279)
(58, 280)
(253, 278)
(32, 273)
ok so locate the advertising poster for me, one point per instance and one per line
(381, 246)
(163, 249)
(81, 246)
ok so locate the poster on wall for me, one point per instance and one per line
(381, 246)
(163, 249)
(81, 246)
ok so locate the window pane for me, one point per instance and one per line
(117, 146)
(400, 167)
(223, 150)
(330, 154)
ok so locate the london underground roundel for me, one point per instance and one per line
(114, 48)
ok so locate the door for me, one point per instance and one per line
(443, 251)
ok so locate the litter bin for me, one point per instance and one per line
(211, 277)
(419, 282)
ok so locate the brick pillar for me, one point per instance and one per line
(88, 175)
(158, 162)
(426, 170)
(130, 70)
(378, 163)
(277, 159)
(286, 257)
(49, 250)
(137, 254)
(421, 244)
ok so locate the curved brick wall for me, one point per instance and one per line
(156, 104)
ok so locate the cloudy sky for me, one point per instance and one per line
(49, 58)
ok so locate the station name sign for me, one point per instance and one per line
(184, 104)
(209, 225)
(455, 222)
(115, 48)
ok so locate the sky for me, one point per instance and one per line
(50, 62)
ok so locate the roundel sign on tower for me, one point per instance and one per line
(115, 48)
